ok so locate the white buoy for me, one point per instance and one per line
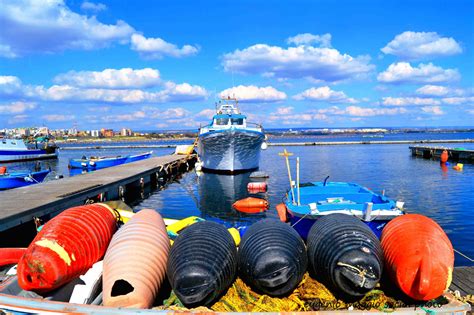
(264, 146)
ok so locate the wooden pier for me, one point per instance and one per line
(20, 205)
(454, 154)
(463, 280)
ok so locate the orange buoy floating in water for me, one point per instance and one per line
(3, 170)
(66, 247)
(256, 187)
(418, 256)
(281, 210)
(251, 205)
(444, 156)
(9, 256)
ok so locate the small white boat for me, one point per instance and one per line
(229, 143)
(14, 150)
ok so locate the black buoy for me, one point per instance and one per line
(345, 255)
(272, 257)
(202, 263)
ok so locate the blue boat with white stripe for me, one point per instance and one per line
(94, 163)
(317, 199)
(230, 144)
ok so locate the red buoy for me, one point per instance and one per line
(251, 205)
(281, 210)
(9, 256)
(66, 247)
(444, 156)
(256, 187)
(418, 256)
(3, 170)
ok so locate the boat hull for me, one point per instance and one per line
(26, 155)
(303, 225)
(230, 150)
(97, 164)
(18, 179)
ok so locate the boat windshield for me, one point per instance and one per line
(222, 121)
(237, 121)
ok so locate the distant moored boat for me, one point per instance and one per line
(14, 150)
(93, 163)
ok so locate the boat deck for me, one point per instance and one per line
(20, 205)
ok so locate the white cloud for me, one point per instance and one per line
(252, 93)
(172, 92)
(58, 118)
(16, 107)
(94, 7)
(124, 78)
(206, 113)
(458, 100)
(124, 117)
(18, 119)
(30, 26)
(409, 101)
(433, 90)
(157, 48)
(366, 112)
(284, 110)
(421, 45)
(324, 94)
(433, 110)
(307, 39)
(320, 64)
(403, 72)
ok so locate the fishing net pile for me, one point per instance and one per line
(310, 295)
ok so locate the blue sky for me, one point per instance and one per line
(162, 64)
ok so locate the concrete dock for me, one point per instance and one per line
(454, 154)
(20, 205)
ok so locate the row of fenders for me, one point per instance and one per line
(341, 252)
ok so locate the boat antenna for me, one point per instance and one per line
(287, 154)
(325, 180)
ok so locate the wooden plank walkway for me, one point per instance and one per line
(463, 280)
(20, 205)
(454, 154)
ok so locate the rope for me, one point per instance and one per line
(362, 273)
(464, 255)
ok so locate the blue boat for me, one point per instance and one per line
(94, 163)
(321, 198)
(20, 179)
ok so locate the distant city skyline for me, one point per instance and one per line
(156, 65)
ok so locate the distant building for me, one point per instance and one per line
(25, 132)
(95, 133)
(126, 132)
(72, 132)
(106, 133)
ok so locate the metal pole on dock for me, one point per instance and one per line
(287, 154)
(298, 179)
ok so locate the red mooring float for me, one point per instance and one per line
(251, 205)
(418, 256)
(281, 210)
(444, 156)
(9, 256)
(66, 247)
(256, 187)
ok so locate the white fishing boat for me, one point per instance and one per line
(230, 144)
(13, 150)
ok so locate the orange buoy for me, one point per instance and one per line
(3, 170)
(254, 187)
(444, 156)
(135, 262)
(9, 256)
(251, 205)
(66, 247)
(281, 210)
(418, 256)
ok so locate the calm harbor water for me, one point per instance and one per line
(445, 195)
